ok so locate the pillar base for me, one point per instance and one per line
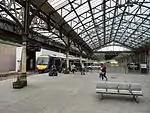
(20, 82)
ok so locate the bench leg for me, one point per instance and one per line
(136, 99)
(101, 96)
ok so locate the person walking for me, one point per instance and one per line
(103, 72)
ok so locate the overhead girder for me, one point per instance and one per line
(16, 19)
(13, 28)
(116, 44)
(128, 28)
(133, 17)
(72, 9)
(56, 18)
(132, 46)
(79, 19)
(136, 15)
(96, 13)
(7, 10)
(148, 38)
(110, 30)
(41, 25)
(95, 7)
(106, 21)
(120, 31)
(89, 28)
(94, 22)
(38, 13)
(80, 15)
(135, 30)
(113, 22)
(8, 25)
(38, 25)
(90, 16)
(38, 21)
(65, 3)
(120, 22)
(15, 32)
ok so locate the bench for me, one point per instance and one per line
(134, 89)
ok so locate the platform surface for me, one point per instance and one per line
(71, 93)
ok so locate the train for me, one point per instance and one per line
(47, 58)
(44, 63)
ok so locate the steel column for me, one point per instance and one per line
(104, 18)
(25, 36)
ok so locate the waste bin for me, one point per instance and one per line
(143, 68)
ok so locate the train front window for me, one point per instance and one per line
(42, 60)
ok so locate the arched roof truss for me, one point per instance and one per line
(100, 22)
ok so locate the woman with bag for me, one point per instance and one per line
(103, 72)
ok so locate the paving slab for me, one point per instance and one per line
(71, 93)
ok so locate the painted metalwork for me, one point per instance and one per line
(91, 24)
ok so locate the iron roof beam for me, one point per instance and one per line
(42, 11)
(95, 7)
(94, 22)
(120, 21)
(12, 16)
(142, 35)
(135, 30)
(112, 27)
(104, 18)
(79, 19)
(99, 23)
(131, 20)
(86, 12)
(108, 20)
(70, 12)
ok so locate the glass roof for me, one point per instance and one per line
(100, 22)
(97, 22)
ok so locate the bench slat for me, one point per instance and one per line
(119, 88)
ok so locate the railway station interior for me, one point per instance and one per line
(54, 55)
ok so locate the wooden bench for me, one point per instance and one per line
(134, 89)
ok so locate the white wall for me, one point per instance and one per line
(18, 58)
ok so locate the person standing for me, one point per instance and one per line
(73, 68)
(103, 71)
(82, 69)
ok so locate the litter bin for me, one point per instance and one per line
(143, 68)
